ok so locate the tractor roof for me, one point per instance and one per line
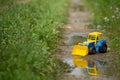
(95, 33)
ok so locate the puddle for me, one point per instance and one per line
(79, 66)
(79, 72)
(75, 38)
(76, 71)
(101, 65)
(69, 61)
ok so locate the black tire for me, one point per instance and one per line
(92, 50)
(103, 49)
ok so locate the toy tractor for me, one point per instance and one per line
(94, 44)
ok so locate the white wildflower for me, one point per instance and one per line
(98, 26)
(111, 7)
(103, 30)
(116, 10)
(106, 19)
(113, 16)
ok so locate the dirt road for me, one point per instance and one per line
(75, 31)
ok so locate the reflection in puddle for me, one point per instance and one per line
(77, 71)
(93, 67)
(82, 67)
(80, 62)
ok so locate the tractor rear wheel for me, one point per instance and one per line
(103, 49)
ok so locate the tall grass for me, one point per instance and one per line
(28, 36)
(106, 16)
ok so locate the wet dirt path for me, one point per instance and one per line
(75, 31)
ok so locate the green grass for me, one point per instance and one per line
(28, 37)
(106, 17)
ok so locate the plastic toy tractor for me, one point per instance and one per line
(95, 43)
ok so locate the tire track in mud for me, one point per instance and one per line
(76, 28)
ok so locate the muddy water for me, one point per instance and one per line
(75, 38)
(77, 71)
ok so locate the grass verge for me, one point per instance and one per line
(28, 37)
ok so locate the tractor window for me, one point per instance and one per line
(100, 37)
(97, 38)
(91, 37)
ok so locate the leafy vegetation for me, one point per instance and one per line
(106, 16)
(28, 36)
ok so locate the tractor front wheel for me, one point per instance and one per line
(92, 50)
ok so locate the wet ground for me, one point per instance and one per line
(76, 31)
